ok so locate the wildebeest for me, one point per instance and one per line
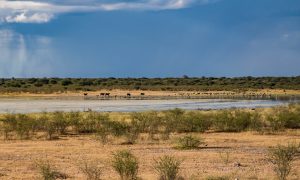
(142, 94)
(85, 94)
(107, 94)
(128, 95)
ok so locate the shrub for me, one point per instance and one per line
(87, 124)
(60, 122)
(50, 128)
(275, 123)
(232, 121)
(256, 123)
(147, 122)
(132, 132)
(48, 172)
(282, 157)
(125, 164)
(24, 126)
(9, 123)
(290, 116)
(167, 167)
(91, 170)
(189, 142)
(102, 127)
(74, 120)
(171, 121)
(195, 122)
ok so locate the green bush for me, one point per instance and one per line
(125, 164)
(282, 158)
(189, 142)
(167, 167)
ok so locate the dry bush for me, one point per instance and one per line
(282, 158)
(92, 170)
(48, 171)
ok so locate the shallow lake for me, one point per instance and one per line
(29, 105)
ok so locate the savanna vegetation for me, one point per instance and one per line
(116, 130)
(50, 85)
(154, 124)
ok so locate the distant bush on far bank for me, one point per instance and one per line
(50, 85)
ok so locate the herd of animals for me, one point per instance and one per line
(107, 95)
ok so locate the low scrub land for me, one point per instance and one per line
(173, 144)
(51, 85)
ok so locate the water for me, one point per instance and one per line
(19, 105)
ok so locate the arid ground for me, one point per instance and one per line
(233, 155)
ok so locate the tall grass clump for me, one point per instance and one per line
(282, 158)
(125, 164)
(189, 142)
(167, 167)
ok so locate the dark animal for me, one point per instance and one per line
(142, 94)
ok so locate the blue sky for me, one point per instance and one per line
(149, 38)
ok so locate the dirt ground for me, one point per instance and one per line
(247, 156)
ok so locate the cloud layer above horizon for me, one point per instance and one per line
(40, 11)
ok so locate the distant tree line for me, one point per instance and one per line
(49, 85)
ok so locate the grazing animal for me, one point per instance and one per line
(128, 95)
(102, 94)
(142, 94)
(85, 94)
(107, 94)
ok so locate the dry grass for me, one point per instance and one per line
(248, 152)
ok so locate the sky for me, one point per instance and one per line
(149, 38)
